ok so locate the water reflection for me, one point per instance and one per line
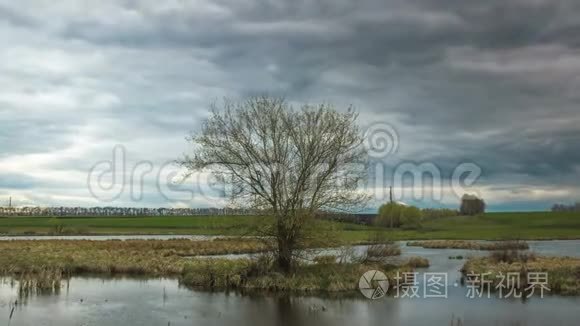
(90, 301)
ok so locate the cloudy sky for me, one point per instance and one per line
(492, 83)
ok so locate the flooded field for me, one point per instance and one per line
(118, 301)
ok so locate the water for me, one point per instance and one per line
(123, 301)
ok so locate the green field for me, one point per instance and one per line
(535, 225)
(194, 225)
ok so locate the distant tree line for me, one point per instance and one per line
(121, 211)
(566, 208)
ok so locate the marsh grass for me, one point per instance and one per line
(252, 275)
(381, 251)
(417, 262)
(470, 245)
(563, 272)
(511, 256)
(41, 283)
(41, 266)
(381, 248)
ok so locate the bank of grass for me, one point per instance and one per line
(260, 275)
(490, 226)
(563, 272)
(138, 257)
(41, 265)
(470, 245)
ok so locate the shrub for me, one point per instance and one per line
(418, 262)
(381, 251)
(511, 256)
(396, 215)
(411, 217)
(389, 215)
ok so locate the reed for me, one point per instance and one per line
(143, 257)
(417, 262)
(470, 245)
(563, 272)
(41, 266)
(380, 252)
(242, 275)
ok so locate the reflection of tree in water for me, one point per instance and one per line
(327, 311)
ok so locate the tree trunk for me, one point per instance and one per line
(285, 260)
(285, 249)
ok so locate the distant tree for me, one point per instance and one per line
(290, 163)
(471, 205)
(390, 215)
(395, 215)
(411, 217)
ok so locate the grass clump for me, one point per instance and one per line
(380, 252)
(262, 275)
(418, 262)
(469, 245)
(563, 272)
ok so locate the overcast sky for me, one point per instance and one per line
(495, 83)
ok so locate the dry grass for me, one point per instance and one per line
(380, 252)
(417, 262)
(470, 245)
(41, 265)
(563, 272)
(140, 257)
(251, 275)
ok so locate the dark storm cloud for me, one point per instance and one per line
(492, 82)
(16, 18)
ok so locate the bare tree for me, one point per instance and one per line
(289, 162)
